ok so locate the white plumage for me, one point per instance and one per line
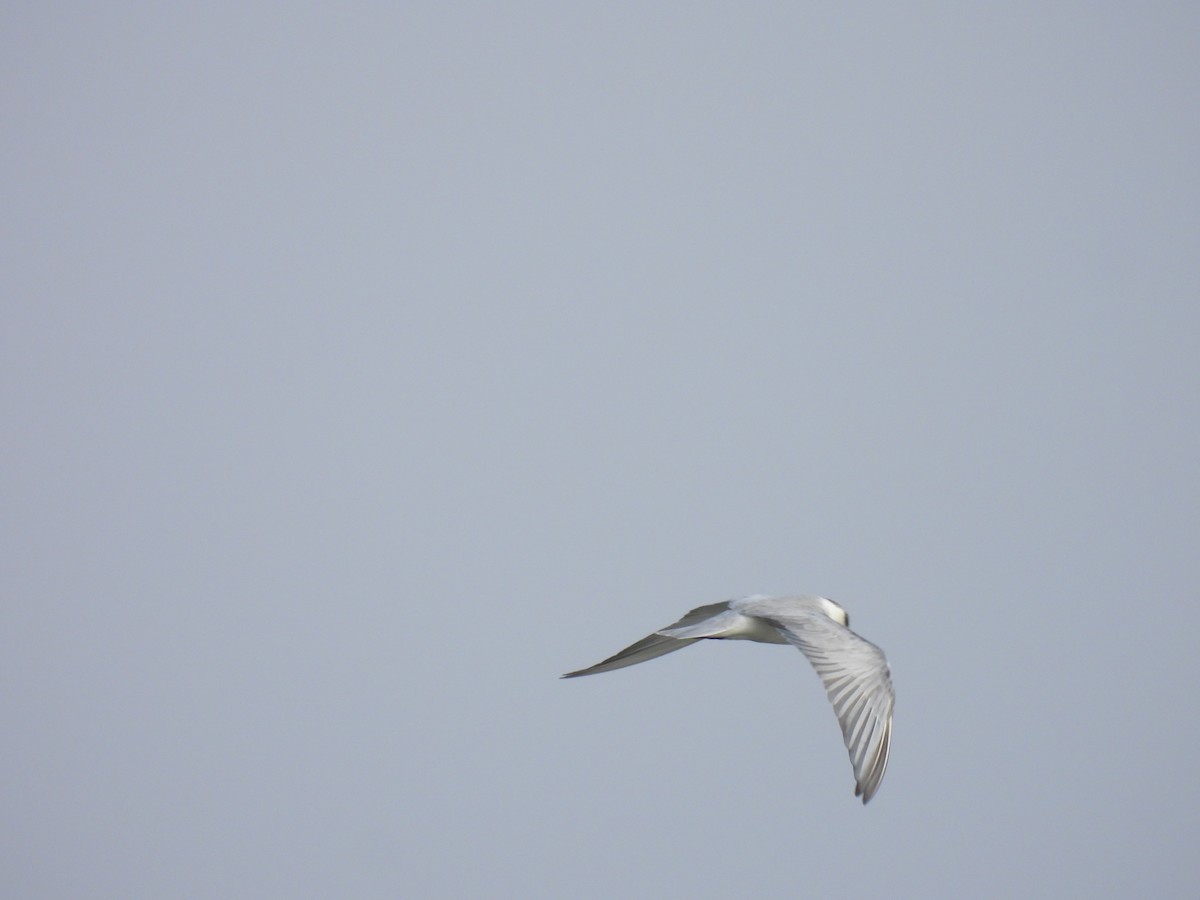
(853, 670)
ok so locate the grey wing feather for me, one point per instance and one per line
(859, 685)
(647, 648)
(654, 645)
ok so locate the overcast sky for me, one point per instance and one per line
(367, 366)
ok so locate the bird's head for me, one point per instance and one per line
(835, 612)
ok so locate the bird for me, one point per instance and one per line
(854, 671)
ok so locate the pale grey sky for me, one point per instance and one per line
(365, 367)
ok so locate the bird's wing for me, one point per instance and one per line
(856, 678)
(657, 644)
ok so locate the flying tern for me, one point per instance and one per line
(853, 670)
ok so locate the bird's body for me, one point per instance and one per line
(853, 670)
